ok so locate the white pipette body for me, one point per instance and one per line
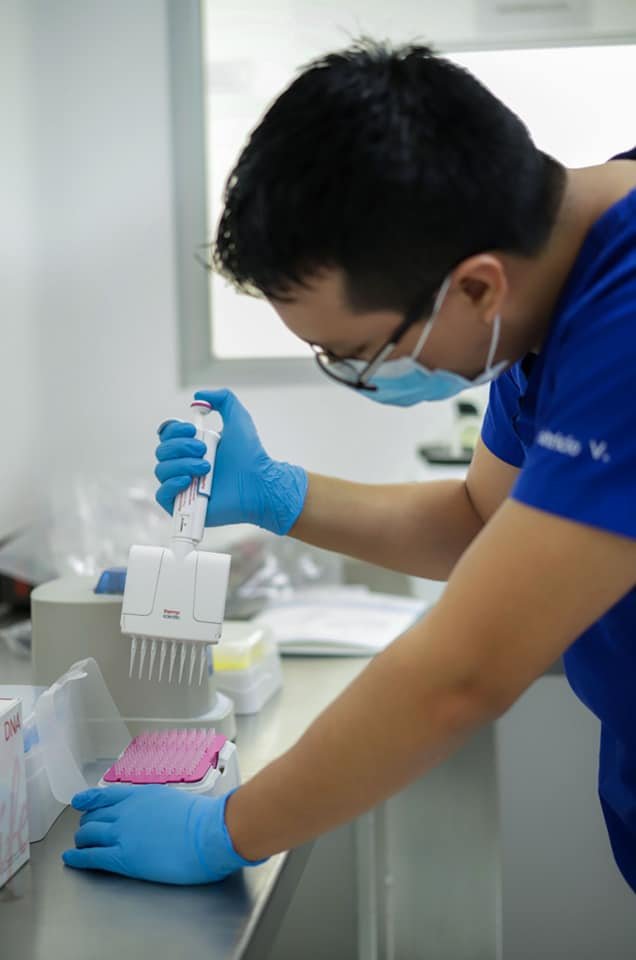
(175, 596)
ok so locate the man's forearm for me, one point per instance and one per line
(408, 709)
(417, 528)
(507, 614)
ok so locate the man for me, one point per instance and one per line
(400, 220)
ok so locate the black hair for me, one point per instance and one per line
(393, 164)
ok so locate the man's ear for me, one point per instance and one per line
(474, 288)
(482, 280)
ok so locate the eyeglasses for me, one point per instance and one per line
(347, 371)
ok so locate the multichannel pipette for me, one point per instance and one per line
(174, 598)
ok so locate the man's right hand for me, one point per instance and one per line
(248, 486)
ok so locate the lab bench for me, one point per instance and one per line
(350, 893)
(48, 911)
(458, 866)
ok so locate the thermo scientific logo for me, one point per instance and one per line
(171, 614)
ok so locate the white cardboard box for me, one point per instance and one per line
(14, 825)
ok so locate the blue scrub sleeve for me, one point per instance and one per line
(498, 431)
(582, 462)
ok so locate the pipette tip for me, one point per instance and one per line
(133, 653)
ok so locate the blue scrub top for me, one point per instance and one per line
(567, 418)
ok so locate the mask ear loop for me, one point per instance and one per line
(428, 326)
(494, 342)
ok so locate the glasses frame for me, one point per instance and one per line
(359, 382)
(325, 357)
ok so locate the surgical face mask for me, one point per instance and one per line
(404, 382)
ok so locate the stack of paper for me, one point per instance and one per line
(345, 621)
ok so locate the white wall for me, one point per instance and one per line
(87, 136)
(18, 367)
(107, 284)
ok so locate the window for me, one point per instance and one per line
(572, 98)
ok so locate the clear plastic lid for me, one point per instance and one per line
(241, 646)
(80, 729)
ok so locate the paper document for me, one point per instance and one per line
(340, 621)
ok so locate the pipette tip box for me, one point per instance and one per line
(199, 761)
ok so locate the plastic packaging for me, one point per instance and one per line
(43, 808)
(88, 526)
(282, 567)
(82, 527)
(80, 730)
(73, 734)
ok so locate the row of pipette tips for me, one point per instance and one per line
(167, 649)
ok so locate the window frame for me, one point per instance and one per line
(196, 363)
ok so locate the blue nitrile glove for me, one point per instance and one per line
(248, 486)
(154, 832)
